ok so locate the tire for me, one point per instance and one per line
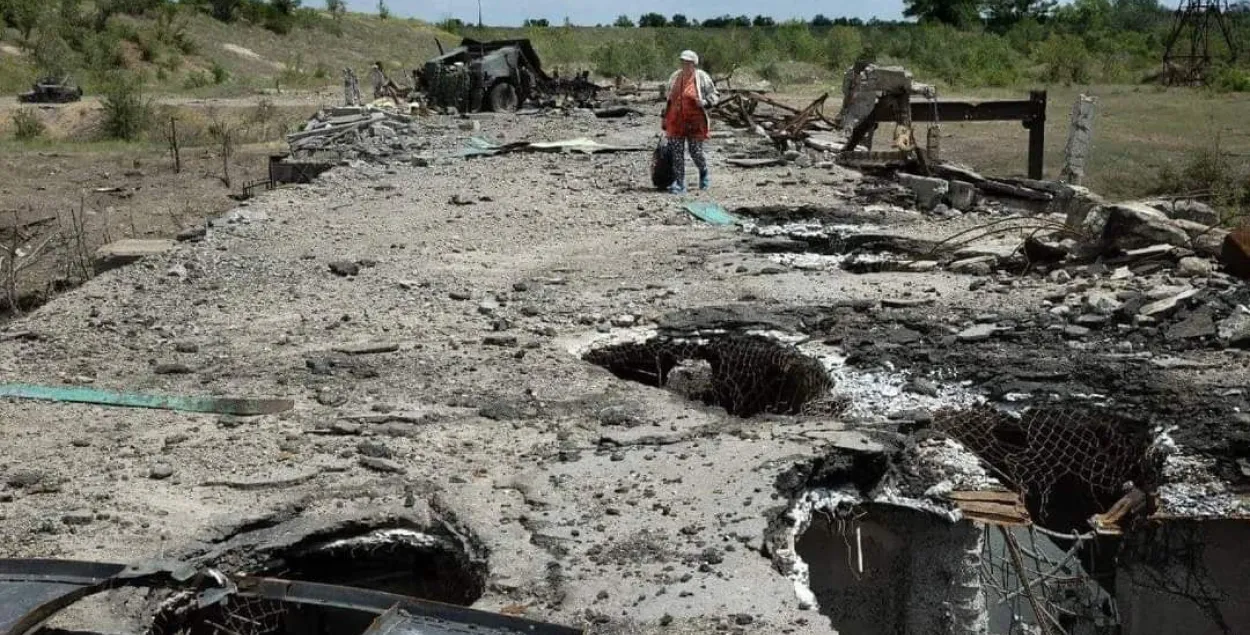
(503, 98)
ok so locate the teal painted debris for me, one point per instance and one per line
(711, 213)
(215, 405)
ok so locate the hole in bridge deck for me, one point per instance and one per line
(400, 561)
(743, 373)
(1069, 463)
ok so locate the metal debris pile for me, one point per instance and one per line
(354, 132)
(785, 125)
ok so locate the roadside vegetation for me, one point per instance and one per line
(131, 54)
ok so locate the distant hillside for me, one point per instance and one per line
(183, 50)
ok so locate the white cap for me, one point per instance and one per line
(690, 56)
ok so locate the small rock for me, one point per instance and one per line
(623, 321)
(346, 428)
(1194, 267)
(742, 619)
(977, 333)
(375, 449)
(385, 466)
(922, 386)
(488, 307)
(172, 369)
(1199, 324)
(459, 296)
(712, 555)
(192, 234)
(187, 347)
(978, 266)
(161, 471)
(1075, 332)
(500, 340)
(344, 268)
(78, 517)
(1101, 303)
(1235, 329)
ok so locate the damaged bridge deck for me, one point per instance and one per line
(430, 327)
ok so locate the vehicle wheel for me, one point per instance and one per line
(503, 98)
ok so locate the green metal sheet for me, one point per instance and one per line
(711, 213)
(216, 405)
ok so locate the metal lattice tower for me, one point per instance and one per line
(1188, 55)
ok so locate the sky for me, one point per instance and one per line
(590, 12)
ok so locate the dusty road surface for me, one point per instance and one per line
(581, 497)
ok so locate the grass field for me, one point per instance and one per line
(1139, 132)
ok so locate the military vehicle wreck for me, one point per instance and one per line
(499, 76)
(52, 90)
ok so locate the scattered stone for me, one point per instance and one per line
(173, 368)
(1194, 267)
(1166, 305)
(161, 471)
(1101, 303)
(905, 303)
(192, 234)
(78, 517)
(345, 428)
(963, 195)
(344, 268)
(1200, 323)
(367, 348)
(375, 449)
(922, 386)
(1075, 332)
(186, 347)
(977, 266)
(928, 190)
(1134, 225)
(1235, 329)
(376, 464)
(459, 296)
(500, 340)
(623, 321)
(977, 333)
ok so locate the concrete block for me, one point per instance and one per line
(963, 195)
(929, 191)
(131, 250)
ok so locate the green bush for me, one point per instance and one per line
(1064, 58)
(843, 46)
(220, 74)
(1227, 79)
(26, 124)
(126, 111)
(197, 79)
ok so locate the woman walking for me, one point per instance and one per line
(690, 93)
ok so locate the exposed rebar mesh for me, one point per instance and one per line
(1085, 454)
(232, 616)
(748, 374)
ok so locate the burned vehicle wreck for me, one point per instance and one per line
(498, 76)
(51, 90)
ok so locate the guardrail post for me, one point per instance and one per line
(1036, 125)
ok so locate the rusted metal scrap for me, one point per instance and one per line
(33, 591)
(780, 122)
